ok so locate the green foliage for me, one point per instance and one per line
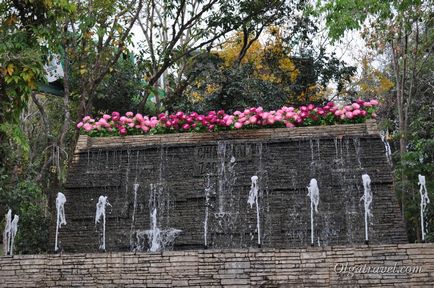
(14, 132)
(120, 89)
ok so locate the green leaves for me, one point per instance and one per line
(14, 132)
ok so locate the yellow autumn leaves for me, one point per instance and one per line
(16, 74)
(259, 54)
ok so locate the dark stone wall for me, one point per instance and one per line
(175, 171)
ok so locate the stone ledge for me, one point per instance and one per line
(273, 134)
(252, 269)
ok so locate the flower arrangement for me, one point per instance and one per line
(309, 115)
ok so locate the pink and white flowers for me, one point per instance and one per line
(255, 117)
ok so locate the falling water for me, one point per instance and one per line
(60, 208)
(7, 232)
(135, 189)
(384, 136)
(424, 200)
(10, 232)
(221, 150)
(205, 223)
(314, 201)
(253, 199)
(154, 233)
(13, 233)
(367, 197)
(100, 214)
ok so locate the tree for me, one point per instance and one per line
(269, 74)
(402, 31)
(175, 30)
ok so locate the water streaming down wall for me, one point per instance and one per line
(199, 185)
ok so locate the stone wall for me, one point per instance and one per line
(199, 184)
(403, 265)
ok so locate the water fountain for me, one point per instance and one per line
(155, 183)
(367, 198)
(133, 217)
(424, 201)
(13, 233)
(101, 215)
(160, 239)
(7, 231)
(207, 204)
(10, 231)
(314, 201)
(60, 220)
(384, 135)
(253, 199)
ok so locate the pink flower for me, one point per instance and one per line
(87, 118)
(349, 115)
(310, 107)
(303, 108)
(145, 128)
(106, 117)
(356, 106)
(253, 119)
(139, 117)
(154, 123)
(87, 127)
(185, 126)
(116, 116)
(131, 124)
(123, 131)
(356, 112)
(129, 114)
(238, 125)
(79, 125)
(363, 113)
(289, 125)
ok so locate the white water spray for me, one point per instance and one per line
(100, 214)
(313, 193)
(424, 201)
(253, 199)
(7, 231)
(61, 220)
(133, 217)
(13, 233)
(154, 233)
(11, 228)
(367, 197)
(205, 223)
(384, 135)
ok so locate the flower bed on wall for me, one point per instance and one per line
(251, 118)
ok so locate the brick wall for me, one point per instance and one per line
(173, 171)
(311, 267)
